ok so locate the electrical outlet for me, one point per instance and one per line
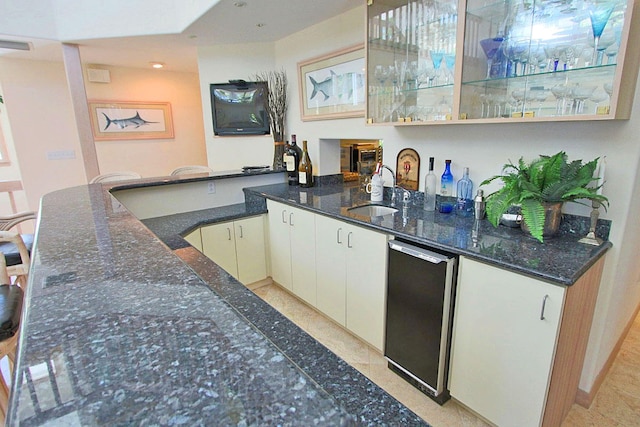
(211, 187)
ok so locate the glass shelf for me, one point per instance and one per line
(513, 56)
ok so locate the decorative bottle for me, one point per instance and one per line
(446, 181)
(430, 188)
(305, 169)
(464, 194)
(292, 161)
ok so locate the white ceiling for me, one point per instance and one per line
(223, 23)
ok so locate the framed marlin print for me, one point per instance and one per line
(333, 86)
(112, 120)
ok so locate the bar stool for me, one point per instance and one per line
(191, 170)
(16, 248)
(115, 176)
(11, 299)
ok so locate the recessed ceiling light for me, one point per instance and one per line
(157, 65)
(260, 25)
(240, 4)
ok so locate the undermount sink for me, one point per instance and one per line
(373, 210)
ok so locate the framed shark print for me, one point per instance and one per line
(112, 120)
(333, 86)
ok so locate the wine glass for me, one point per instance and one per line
(491, 47)
(599, 14)
(450, 62)
(560, 92)
(597, 97)
(436, 58)
(580, 94)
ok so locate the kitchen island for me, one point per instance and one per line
(118, 330)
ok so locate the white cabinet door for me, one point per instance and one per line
(194, 239)
(505, 332)
(366, 267)
(218, 244)
(331, 274)
(279, 244)
(351, 268)
(303, 254)
(250, 249)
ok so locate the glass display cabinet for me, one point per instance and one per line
(497, 61)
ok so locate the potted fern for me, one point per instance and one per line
(540, 188)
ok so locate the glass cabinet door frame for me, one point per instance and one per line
(525, 97)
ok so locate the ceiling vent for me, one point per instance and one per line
(98, 75)
(10, 44)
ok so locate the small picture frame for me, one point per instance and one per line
(333, 86)
(408, 169)
(118, 120)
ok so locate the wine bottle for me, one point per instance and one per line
(430, 188)
(305, 169)
(464, 194)
(292, 158)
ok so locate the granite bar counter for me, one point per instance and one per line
(561, 259)
(119, 329)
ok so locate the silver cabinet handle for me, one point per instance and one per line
(349, 239)
(241, 236)
(338, 235)
(229, 232)
(291, 219)
(544, 303)
(284, 221)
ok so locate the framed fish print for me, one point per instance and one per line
(333, 86)
(112, 120)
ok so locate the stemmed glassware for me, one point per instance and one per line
(491, 47)
(436, 58)
(450, 62)
(599, 14)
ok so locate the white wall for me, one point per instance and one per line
(153, 157)
(38, 106)
(484, 148)
(219, 64)
(40, 115)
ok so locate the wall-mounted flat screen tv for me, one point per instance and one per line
(239, 108)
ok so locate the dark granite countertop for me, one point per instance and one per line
(561, 259)
(118, 330)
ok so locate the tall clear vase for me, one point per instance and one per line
(278, 153)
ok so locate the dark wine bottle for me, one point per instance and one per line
(292, 159)
(305, 169)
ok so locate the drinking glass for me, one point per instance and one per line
(491, 47)
(436, 58)
(450, 62)
(597, 97)
(580, 94)
(560, 92)
(599, 14)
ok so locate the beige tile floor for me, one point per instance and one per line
(616, 404)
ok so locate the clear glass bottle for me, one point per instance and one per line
(464, 194)
(305, 169)
(446, 181)
(430, 188)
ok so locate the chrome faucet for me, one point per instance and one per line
(393, 189)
